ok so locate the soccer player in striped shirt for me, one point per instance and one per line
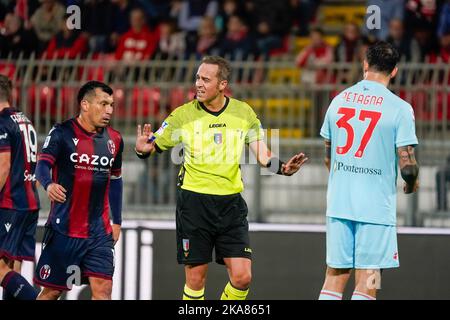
(19, 201)
(85, 156)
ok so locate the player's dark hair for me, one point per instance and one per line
(382, 57)
(5, 88)
(224, 66)
(89, 88)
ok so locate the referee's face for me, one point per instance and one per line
(207, 83)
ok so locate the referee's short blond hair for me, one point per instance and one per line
(224, 66)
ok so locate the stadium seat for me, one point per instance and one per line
(42, 98)
(145, 102)
(337, 16)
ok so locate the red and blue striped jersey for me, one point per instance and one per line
(82, 162)
(17, 136)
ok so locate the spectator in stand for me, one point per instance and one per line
(302, 14)
(275, 13)
(318, 53)
(121, 20)
(193, 11)
(407, 47)
(444, 19)
(267, 41)
(67, 43)
(422, 11)
(171, 42)
(207, 40)
(348, 48)
(15, 40)
(227, 9)
(156, 10)
(97, 23)
(46, 21)
(443, 54)
(237, 43)
(389, 9)
(426, 39)
(139, 43)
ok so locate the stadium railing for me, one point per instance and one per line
(147, 91)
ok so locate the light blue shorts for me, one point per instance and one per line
(360, 245)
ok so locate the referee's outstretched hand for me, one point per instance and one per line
(294, 164)
(143, 137)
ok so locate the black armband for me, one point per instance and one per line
(275, 165)
(142, 155)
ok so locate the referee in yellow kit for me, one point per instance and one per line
(211, 212)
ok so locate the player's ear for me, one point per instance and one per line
(394, 72)
(84, 105)
(365, 66)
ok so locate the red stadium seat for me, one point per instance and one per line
(145, 102)
(43, 98)
(7, 69)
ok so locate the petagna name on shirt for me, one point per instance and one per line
(360, 98)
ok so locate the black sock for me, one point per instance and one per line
(18, 287)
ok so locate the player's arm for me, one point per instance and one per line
(266, 159)
(5, 167)
(327, 154)
(47, 158)
(116, 193)
(409, 168)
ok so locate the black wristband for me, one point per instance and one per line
(142, 155)
(275, 165)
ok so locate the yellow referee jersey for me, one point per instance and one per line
(212, 144)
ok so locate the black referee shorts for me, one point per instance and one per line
(208, 221)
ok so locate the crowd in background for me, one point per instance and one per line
(141, 29)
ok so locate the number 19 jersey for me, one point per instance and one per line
(366, 123)
(17, 136)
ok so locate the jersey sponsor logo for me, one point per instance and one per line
(45, 271)
(3, 136)
(218, 138)
(217, 125)
(94, 159)
(8, 226)
(161, 129)
(75, 141)
(340, 166)
(28, 176)
(111, 146)
(395, 256)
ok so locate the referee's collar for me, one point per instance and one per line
(215, 113)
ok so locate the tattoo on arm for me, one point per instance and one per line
(327, 153)
(409, 168)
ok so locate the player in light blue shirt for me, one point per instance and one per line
(367, 131)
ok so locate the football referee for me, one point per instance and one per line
(211, 212)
